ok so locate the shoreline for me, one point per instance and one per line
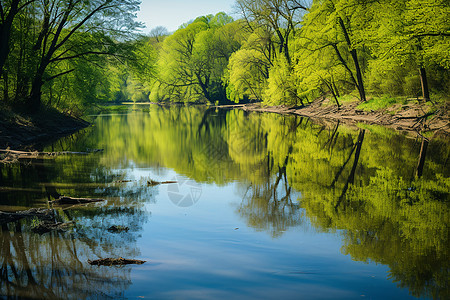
(412, 117)
(20, 132)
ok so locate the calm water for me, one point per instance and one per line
(265, 207)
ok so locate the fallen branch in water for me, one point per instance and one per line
(115, 261)
(13, 155)
(47, 227)
(153, 183)
(68, 200)
(118, 228)
(6, 217)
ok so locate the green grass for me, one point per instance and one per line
(347, 98)
(377, 103)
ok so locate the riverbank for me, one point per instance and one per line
(413, 116)
(20, 131)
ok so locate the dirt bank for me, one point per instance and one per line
(414, 117)
(21, 131)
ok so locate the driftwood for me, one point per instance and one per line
(68, 200)
(153, 183)
(118, 228)
(46, 214)
(89, 151)
(47, 227)
(115, 261)
(14, 155)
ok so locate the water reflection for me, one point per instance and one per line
(386, 195)
(53, 266)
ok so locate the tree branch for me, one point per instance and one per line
(58, 75)
(83, 54)
(67, 37)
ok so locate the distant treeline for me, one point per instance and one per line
(278, 52)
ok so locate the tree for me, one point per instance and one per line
(248, 71)
(59, 26)
(193, 59)
(282, 17)
(282, 86)
(331, 24)
(8, 11)
(410, 32)
(159, 33)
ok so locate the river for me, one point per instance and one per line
(261, 206)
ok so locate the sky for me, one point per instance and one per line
(172, 13)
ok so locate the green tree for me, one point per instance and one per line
(59, 27)
(56, 33)
(248, 71)
(410, 33)
(332, 24)
(281, 17)
(193, 59)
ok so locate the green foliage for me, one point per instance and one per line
(377, 103)
(280, 52)
(35, 222)
(191, 62)
(56, 52)
(280, 84)
(247, 75)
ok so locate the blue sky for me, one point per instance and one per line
(173, 13)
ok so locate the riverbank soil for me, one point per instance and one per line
(20, 131)
(413, 116)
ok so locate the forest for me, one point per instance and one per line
(74, 55)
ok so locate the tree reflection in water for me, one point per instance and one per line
(54, 265)
(386, 195)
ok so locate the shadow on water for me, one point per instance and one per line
(386, 195)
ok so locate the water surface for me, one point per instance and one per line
(264, 206)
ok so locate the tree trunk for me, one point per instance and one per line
(6, 88)
(34, 101)
(5, 33)
(330, 87)
(361, 90)
(424, 82)
(204, 87)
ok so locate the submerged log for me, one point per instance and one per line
(118, 228)
(89, 151)
(46, 214)
(115, 261)
(14, 155)
(47, 227)
(153, 183)
(69, 200)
